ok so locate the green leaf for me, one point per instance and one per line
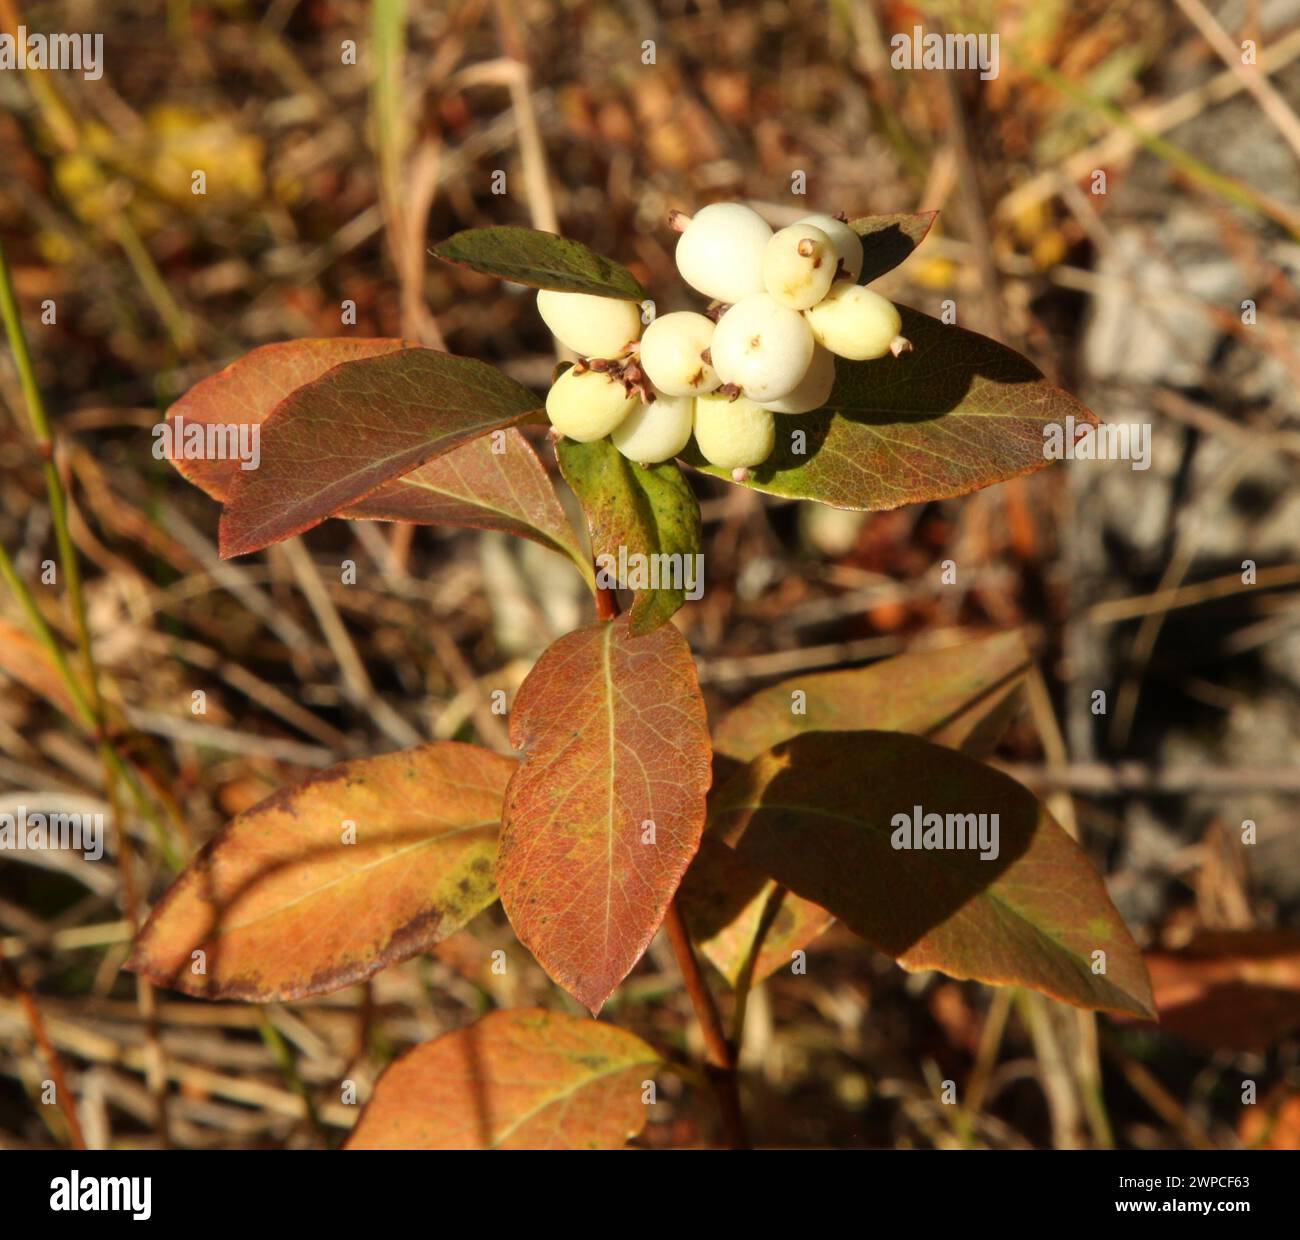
(888, 239)
(637, 510)
(605, 811)
(539, 259)
(282, 903)
(337, 439)
(817, 814)
(962, 696)
(958, 413)
(524, 1079)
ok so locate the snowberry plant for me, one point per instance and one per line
(859, 795)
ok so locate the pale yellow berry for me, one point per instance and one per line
(586, 406)
(733, 434)
(854, 322)
(798, 266)
(657, 431)
(762, 347)
(671, 354)
(814, 388)
(847, 243)
(720, 253)
(589, 325)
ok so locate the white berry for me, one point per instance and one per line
(733, 434)
(589, 325)
(587, 405)
(798, 266)
(721, 252)
(762, 347)
(814, 388)
(854, 321)
(847, 243)
(670, 354)
(657, 431)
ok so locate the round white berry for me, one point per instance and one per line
(762, 347)
(671, 354)
(847, 243)
(589, 325)
(813, 389)
(657, 431)
(854, 321)
(798, 266)
(733, 434)
(587, 405)
(721, 252)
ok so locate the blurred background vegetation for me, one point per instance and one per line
(325, 183)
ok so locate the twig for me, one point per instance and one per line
(720, 1056)
(537, 180)
(356, 680)
(1153, 120)
(1115, 610)
(1271, 103)
(1100, 779)
(53, 1062)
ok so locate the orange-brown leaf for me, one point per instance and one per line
(605, 811)
(281, 906)
(518, 1080)
(944, 695)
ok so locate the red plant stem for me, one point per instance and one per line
(606, 603)
(720, 1055)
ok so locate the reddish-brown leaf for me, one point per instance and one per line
(1229, 989)
(961, 696)
(479, 487)
(516, 1080)
(472, 486)
(281, 906)
(246, 391)
(605, 811)
(816, 814)
(337, 439)
(888, 239)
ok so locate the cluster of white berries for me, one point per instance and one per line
(783, 304)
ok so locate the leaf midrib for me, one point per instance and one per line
(224, 930)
